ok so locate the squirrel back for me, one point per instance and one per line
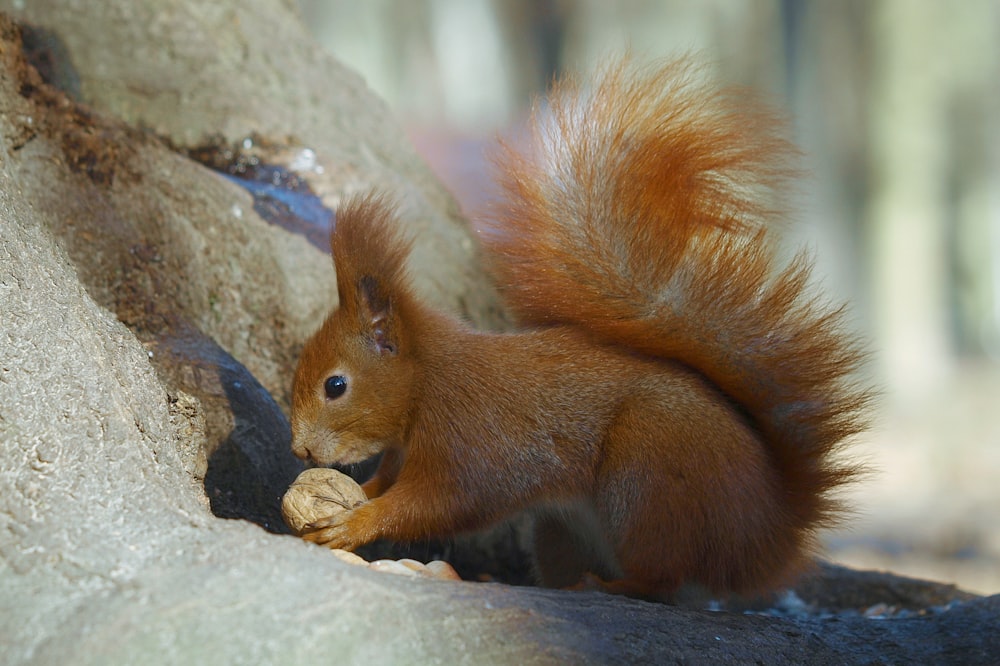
(641, 212)
(676, 411)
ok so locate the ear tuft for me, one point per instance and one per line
(376, 302)
(377, 311)
(369, 254)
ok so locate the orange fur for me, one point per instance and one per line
(673, 411)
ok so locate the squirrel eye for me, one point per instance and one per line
(335, 386)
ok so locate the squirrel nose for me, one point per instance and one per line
(302, 453)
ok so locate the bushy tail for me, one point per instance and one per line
(640, 212)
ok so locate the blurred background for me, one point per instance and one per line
(896, 105)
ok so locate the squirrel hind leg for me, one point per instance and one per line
(571, 552)
(688, 595)
(569, 548)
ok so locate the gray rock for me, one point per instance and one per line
(141, 297)
(221, 73)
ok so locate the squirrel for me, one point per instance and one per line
(674, 405)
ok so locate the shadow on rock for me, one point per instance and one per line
(249, 459)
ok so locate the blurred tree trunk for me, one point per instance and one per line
(931, 60)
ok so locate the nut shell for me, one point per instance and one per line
(319, 493)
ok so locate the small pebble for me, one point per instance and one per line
(349, 557)
(392, 566)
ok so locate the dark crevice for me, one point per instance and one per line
(45, 51)
(280, 196)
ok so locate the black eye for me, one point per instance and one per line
(335, 386)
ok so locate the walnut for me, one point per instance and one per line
(319, 493)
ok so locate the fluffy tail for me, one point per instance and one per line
(640, 213)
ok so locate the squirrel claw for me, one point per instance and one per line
(322, 523)
(331, 532)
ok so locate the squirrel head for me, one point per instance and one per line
(353, 383)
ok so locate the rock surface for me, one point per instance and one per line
(142, 298)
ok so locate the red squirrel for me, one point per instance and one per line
(675, 405)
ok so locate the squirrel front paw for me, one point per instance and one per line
(333, 532)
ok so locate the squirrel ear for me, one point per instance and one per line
(377, 311)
